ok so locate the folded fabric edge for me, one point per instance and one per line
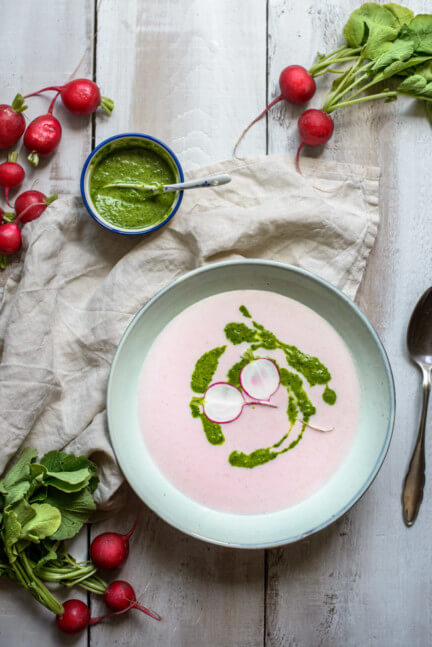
(321, 168)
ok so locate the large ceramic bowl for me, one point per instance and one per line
(354, 475)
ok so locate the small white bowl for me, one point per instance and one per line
(119, 141)
(354, 476)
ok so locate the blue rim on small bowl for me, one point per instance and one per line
(85, 175)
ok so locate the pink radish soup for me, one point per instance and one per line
(269, 457)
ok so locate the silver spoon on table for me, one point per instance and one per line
(419, 342)
(155, 189)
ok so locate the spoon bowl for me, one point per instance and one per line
(419, 334)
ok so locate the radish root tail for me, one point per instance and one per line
(297, 159)
(7, 196)
(129, 534)
(264, 112)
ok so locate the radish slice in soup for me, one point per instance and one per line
(223, 402)
(260, 379)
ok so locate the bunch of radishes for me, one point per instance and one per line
(297, 86)
(108, 551)
(41, 138)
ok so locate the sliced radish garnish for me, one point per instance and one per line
(260, 379)
(224, 403)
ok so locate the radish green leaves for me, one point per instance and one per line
(41, 504)
(387, 42)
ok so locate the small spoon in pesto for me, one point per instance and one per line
(156, 188)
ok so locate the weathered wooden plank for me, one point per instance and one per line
(177, 71)
(42, 44)
(191, 73)
(206, 595)
(365, 580)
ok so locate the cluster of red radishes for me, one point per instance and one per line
(108, 551)
(298, 86)
(41, 138)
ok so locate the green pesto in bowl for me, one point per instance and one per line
(135, 162)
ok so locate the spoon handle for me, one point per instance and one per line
(412, 493)
(215, 180)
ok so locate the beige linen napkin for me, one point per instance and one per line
(67, 303)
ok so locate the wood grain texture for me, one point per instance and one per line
(194, 74)
(174, 71)
(366, 579)
(42, 43)
(206, 595)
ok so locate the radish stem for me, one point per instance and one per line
(340, 55)
(261, 403)
(18, 104)
(107, 105)
(47, 89)
(373, 97)
(33, 158)
(51, 105)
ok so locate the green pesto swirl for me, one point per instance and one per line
(299, 405)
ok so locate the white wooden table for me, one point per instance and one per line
(194, 72)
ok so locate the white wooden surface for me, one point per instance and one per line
(42, 44)
(195, 73)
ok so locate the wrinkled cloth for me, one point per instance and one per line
(77, 286)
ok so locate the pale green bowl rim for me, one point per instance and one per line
(388, 371)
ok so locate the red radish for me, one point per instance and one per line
(120, 595)
(10, 242)
(110, 550)
(223, 403)
(315, 128)
(42, 136)
(260, 379)
(76, 616)
(80, 96)
(10, 238)
(11, 174)
(31, 204)
(12, 122)
(297, 86)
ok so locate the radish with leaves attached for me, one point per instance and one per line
(10, 241)
(110, 550)
(12, 122)
(76, 616)
(42, 136)
(315, 128)
(29, 205)
(120, 595)
(297, 86)
(80, 96)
